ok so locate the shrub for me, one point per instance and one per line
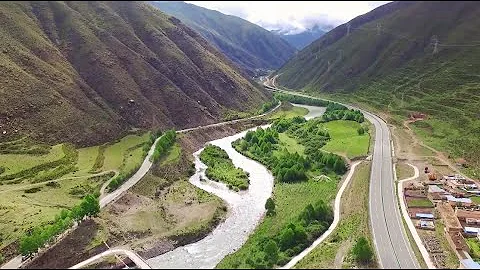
(361, 131)
(53, 184)
(33, 190)
(270, 206)
(362, 252)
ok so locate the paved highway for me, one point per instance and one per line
(389, 235)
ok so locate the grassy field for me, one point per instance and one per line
(419, 203)
(167, 215)
(115, 153)
(26, 204)
(287, 110)
(173, 155)
(403, 171)
(474, 245)
(475, 199)
(345, 139)
(353, 224)
(290, 144)
(14, 163)
(149, 183)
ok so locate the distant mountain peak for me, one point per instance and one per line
(248, 45)
(302, 39)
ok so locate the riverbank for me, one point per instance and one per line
(295, 223)
(245, 210)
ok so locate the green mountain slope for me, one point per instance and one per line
(387, 61)
(86, 72)
(247, 44)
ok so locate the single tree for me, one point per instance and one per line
(270, 206)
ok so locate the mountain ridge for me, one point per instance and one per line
(389, 61)
(245, 43)
(87, 72)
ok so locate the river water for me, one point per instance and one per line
(245, 209)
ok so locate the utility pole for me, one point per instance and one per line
(348, 29)
(435, 44)
(379, 28)
(340, 55)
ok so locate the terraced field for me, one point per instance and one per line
(38, 181)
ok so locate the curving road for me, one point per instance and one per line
(336, 219)
(147, 164)
(139, 262)
(389, 235)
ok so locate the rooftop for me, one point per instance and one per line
(423, 215)
(470, 264)
(435, 189)
(461, 200)
(471, 230)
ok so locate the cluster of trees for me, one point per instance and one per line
(267, 106)
(293, 238)
(313, 135)
(220, 168)
(287, 167)
(301, 100)
(327, 161)
(163, 144)
(361, 130)
(121, 178)
(290, 167)
(151, 140)
(37, 237)
(258, 144)
(283, 124)
(337, 111)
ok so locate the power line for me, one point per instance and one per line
(435, 45)
(380, 29)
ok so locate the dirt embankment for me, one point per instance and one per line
(148, 194)
(193, 140)
(71, 250)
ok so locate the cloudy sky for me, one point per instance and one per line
(293, 16)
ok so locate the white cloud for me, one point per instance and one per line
(293, 16)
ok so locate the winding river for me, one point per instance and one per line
(246, 209)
